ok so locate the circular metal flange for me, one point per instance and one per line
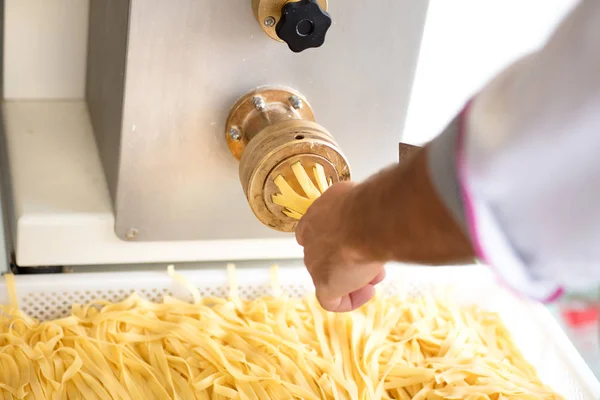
(272, 147)
(260, 109)
(268, 13)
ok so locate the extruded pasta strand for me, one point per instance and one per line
(233, 283)
(295, 204)
(275, 286)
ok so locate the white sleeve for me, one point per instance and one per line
(520, 166)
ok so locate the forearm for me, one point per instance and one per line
(397, 216)
(517, 170)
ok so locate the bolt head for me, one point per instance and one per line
(296, 102)
(132, 234)
(259, 103)
(234, 134)
(270, 22)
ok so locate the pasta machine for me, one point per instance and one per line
(151, 131)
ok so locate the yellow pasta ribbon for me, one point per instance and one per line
(295, 204)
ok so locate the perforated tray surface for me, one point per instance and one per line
(536, 332)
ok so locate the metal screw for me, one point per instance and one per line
(132, 234)
(296, 102)
(259, 103)
(234, 134)
(270, 22)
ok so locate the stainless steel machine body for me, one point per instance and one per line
(162, 77)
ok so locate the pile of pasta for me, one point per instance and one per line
(270, 348)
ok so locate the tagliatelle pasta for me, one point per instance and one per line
(296, 204)
(269, 348)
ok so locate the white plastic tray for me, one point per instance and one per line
(536, 332)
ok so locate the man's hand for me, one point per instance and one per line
(351, 230)
(344, 277)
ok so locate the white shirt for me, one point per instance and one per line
(520, 166)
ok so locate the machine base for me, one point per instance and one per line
(17, 270)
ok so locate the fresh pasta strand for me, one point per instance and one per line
(269, 348)
(233, 283)
(295, 204)
(12, 290)
(274, 278)
(185, 283)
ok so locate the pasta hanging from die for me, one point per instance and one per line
(272, 347)
(295, 204)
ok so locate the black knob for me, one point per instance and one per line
(303, 24)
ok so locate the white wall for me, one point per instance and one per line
(466, 42)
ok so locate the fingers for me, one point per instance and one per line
(361, 296)
(379, 278)
(337, 279)
(351, 301)
(348, 302)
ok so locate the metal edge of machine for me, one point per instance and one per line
(5, 234)
(106, 74)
